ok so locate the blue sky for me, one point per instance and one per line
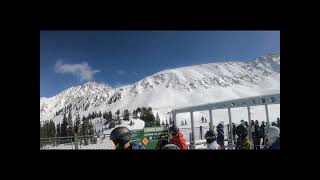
(116, 58)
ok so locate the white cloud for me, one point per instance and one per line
(120, 72)
(82, 71)
(119, 84)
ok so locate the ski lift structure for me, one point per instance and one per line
(235, 103)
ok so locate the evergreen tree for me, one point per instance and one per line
(70, 125)
(157, 120)
(205, 120)
(131, 123)
(110, 116)
(134, 114)
(64, 126)
(182, 123)
(162, 123)
(58, 130)
(185, 122)
(77, 124)
(118, 116)
(126, 115)
(143, 113)
(100, 114)
(111, 125)
(41, 131)
(202, 119)
(52, 129)
(149, 118)
(85, 129)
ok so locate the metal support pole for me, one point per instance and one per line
(200, 132)
(267, 117)
(192, 144)
(174, 119)
(230, 136)
(211, 123)
(249, 128)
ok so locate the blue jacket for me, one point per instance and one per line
(135, 146)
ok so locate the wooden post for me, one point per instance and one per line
(76, 141)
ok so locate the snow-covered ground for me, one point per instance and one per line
(138, 124)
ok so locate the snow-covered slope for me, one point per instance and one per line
(171, 88)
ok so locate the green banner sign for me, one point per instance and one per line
(151, 137)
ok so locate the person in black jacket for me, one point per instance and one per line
(246, 124)
(256, 136)
(220, 137)
(262, 132)
(234, 132)
(240, 130)
(278, 123)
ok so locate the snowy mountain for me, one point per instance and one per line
(171, 88)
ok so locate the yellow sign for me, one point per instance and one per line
(145, 141)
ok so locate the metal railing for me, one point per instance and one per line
(77, 142)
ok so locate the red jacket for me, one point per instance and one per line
(179, 141)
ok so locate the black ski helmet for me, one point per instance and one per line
(243, 132)
(210, 135)
(120, 135)
(173, 129)
(170, 147)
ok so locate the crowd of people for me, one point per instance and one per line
(268, 138)
(260, 138)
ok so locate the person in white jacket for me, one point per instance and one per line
(211, 139)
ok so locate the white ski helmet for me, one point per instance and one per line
(273, 134)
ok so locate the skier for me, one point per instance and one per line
(262, 132)
(220, 138)
(256, 137)
(278, 123)
(240, 129)
(121, 136)
(246, 124)
(176, 137)
(243, 142)
(211, 138)
(234, 132)
(170, 147)
(273, 138)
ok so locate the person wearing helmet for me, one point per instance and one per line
(121, 137)
(273, 138)
(278, 122)
(211, 138)
(170, 147)
(262, 132)
(220, 137)
(243, 142)
(176, 137)
(239, 130)
(234, 132)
